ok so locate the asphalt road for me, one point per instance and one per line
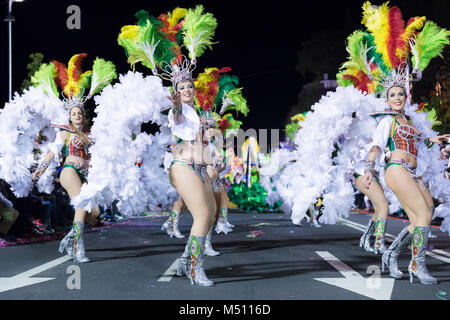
(266, 257)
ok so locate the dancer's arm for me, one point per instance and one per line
(54, 149)
(379, 141)
(438, 139)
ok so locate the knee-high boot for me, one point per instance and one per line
(390, 256)
(417, 265)
(196, 271)
(380, 229)
(365, 238)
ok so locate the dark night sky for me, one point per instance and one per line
(259, 40)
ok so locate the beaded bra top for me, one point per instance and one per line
(74, 145)
(403, 138)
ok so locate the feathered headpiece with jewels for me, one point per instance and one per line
(378, 57)
(156, 42)
(216, 93)
(72, 81)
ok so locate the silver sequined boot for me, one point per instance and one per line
(209, 251)
(67, 243)
(196, 272)
(183, 261)
(365, 238)
(224, 216)
(380, 229)
(171, 225)
(417, 265)
(390, 256)
(79, 254)
(222, 223)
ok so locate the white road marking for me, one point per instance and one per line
(354, 282)
(435, 253)
(24, 279)
(170, 272)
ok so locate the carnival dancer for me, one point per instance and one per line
(154, 42)
(346, 127)
(216, 93)
(72, 140)
(397, 131)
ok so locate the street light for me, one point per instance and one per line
(10, 19)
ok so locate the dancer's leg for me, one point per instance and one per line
(377, 223)
(407, 190)
(72, 183)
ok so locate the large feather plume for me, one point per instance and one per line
(207, 86)
(45, 78)
(147, 42)
(104, 72)
(429, 44)
(74, 86)
(235, 101)
(198, 30)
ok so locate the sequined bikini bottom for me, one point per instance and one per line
(408, 166)
(199, 169)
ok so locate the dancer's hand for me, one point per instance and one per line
(176, 100)
(35, 176)
(440, 139)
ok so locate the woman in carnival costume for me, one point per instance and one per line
(210, 85)
(398, 131)
(154, 42)
(345, 115)
(72, 140)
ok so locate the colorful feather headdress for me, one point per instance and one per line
(216, 93)
(381, 54)
(72, 81)
(157, 42)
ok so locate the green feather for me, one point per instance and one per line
(104, 72)
(430, 43)
(378, 57)
(148, 32)
(235, 124)
(198, 30)
(142, 17)
(227, 83)
(239, 102)
(134, 53)
(291, 129)
(354, 45)
(45, 78)
(341, 81)
(85, 82)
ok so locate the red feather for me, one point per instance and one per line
(361, 81)
(225, 70)
(77, 71)
(224, 125)
(395, 41)
(61, 74)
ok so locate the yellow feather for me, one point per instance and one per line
(72, 87)
(176, 15)
(377, 23)
(204, 78)
(409, 33)
(129, 32)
